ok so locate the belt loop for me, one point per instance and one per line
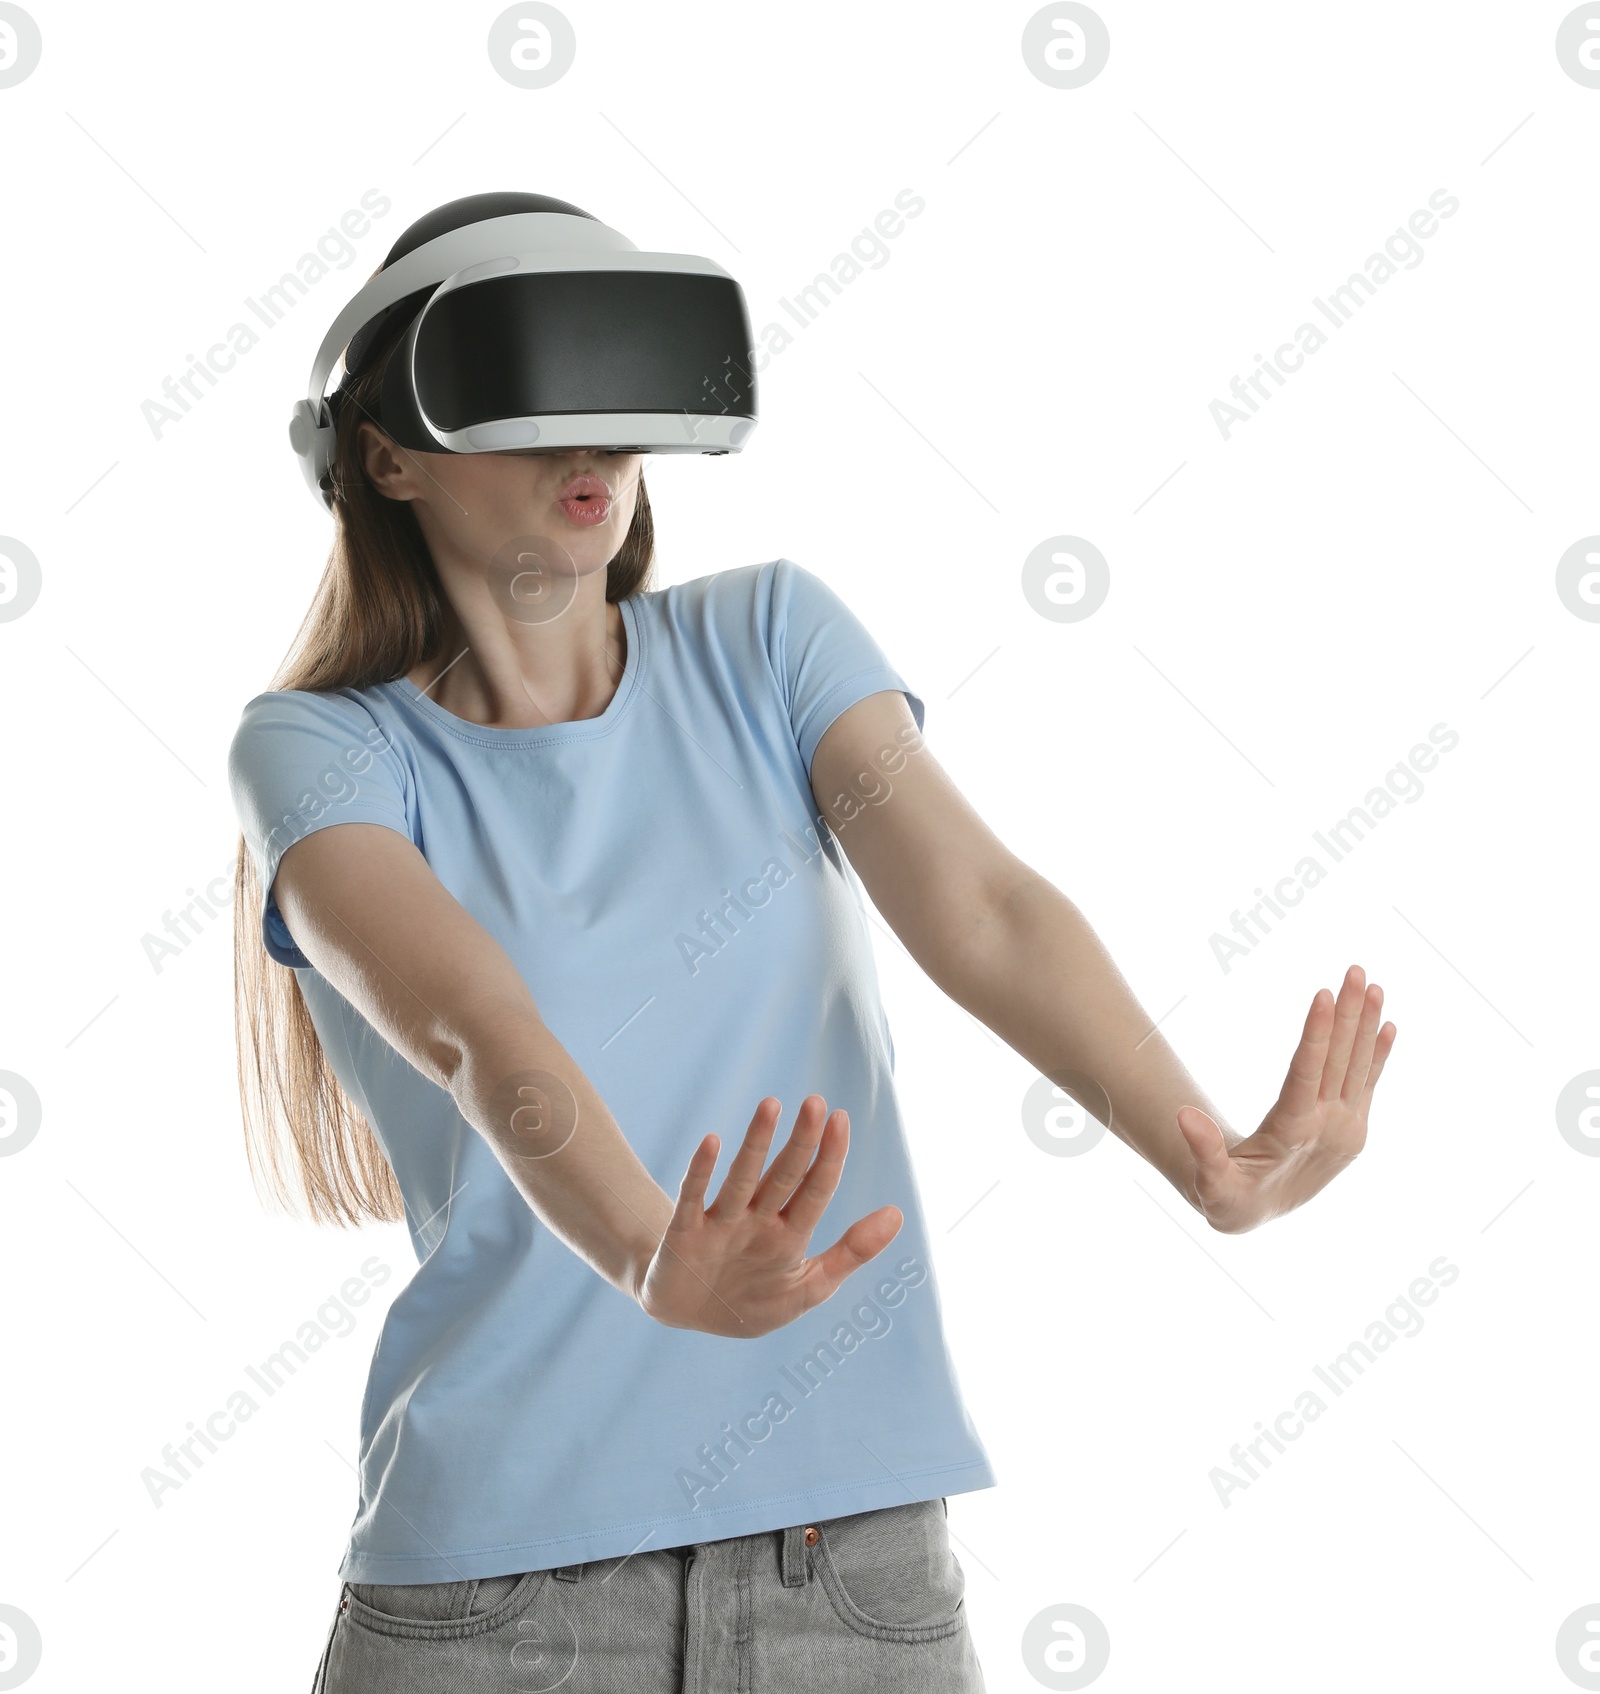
(794, 1557)
(569, 1573)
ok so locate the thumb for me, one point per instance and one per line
(1204, 1141)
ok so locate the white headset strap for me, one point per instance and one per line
(443, 257)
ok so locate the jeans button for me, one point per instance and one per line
(813, 1535)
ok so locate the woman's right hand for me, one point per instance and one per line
(739, 1266)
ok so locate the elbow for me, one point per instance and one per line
(492, 1071)
(980, 919)
(447, 1061)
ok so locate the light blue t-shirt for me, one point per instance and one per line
(693, 934)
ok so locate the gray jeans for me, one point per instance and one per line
(869, 1602)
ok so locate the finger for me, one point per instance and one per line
(1214, 1174)
(1346, 1017)
(792, 1163)
(1380, 1053)
(745, 1171)
(863, 1240)
(1355, 1076)
(692, 1190)
(818, 1186)
(1298, 1096)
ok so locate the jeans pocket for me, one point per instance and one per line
(890, 1574)
(439, 1610)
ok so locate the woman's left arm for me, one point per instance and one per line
(1007, 945)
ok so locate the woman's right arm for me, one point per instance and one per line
(367, 910)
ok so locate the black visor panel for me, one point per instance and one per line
(539, 343)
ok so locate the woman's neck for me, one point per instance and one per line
(497, 670)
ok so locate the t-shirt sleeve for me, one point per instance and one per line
(824, 657)
(300, 762)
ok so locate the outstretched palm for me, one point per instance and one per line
(739, 1266)
(1317, 1126)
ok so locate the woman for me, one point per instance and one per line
(596, 898)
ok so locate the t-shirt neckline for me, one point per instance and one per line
(538, 734)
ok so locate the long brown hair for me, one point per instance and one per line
(377, 614)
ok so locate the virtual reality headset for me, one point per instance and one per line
(537, 328)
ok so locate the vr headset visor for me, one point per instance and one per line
(544, 332)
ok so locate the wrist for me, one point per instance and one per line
(641, 1255)
(641, 1247)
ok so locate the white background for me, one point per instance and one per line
(1373, 553)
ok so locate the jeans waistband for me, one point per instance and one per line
(794, 1565)
(791, 1555)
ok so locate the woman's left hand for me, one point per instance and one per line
(1317, 1126)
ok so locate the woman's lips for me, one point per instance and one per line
(586, 500)
(588, 510)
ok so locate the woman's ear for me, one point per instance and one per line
(386, 466)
